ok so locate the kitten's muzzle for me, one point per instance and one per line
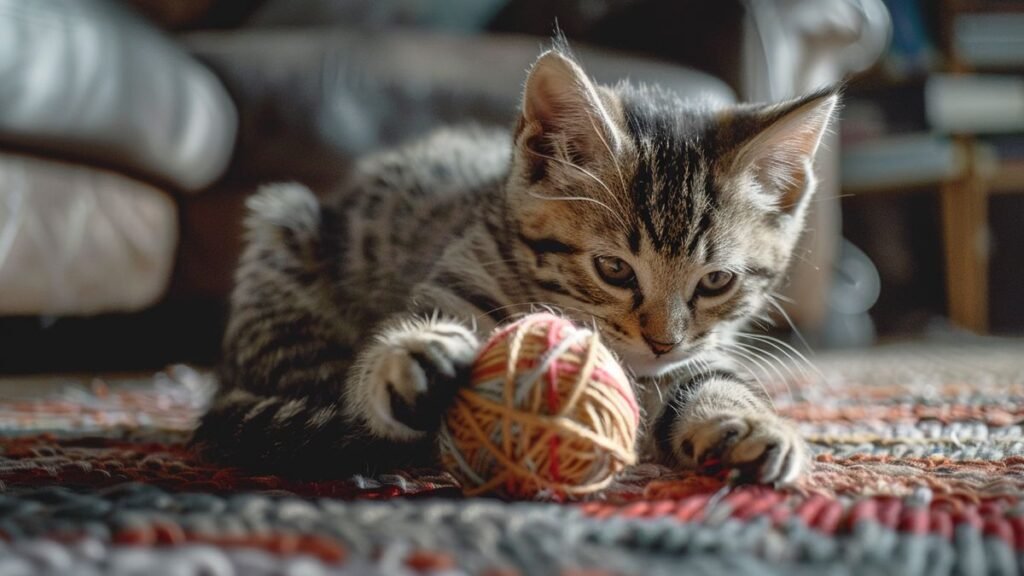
(660, 348)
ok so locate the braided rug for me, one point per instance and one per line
(919, 470)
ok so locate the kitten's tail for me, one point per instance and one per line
(285, 204)
(295, 437)
(287, 215)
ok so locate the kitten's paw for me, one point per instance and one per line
(764, 448)
(414, 375)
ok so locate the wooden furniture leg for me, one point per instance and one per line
(965, 231)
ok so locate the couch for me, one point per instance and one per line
(131, 132)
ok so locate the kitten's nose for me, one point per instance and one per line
(660, 348)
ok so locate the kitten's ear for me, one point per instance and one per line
(562, 105)
(779, 142)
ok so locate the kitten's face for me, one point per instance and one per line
(664, 224)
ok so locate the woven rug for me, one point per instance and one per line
(919, 469)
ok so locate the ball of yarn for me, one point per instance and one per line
(549, 413)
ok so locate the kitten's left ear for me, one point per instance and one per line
(561, 104)
(779, 141)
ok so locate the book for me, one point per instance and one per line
(975, 103)
(989, 39)
(904, 160)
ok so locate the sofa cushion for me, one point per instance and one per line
(85, 80)
(79, 240)
(311, 100)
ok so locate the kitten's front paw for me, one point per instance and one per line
(414, 376)
(763, 447)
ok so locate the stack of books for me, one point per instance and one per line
(905, 137)
(992, 38)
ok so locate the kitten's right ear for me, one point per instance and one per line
(779, 142)
(562, 106)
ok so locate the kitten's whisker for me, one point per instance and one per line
(818, 197)
(753, 373)
(780, 345)
(739, 354)
(572, 165)
(615, 160)
(505, 307)
(787, 366)
(661, 397)
(763, 363)
(786, 348)
(762, 320)
(592, 176)
(783, 298)
(582, 199)
(550, 307)
(774, 363)
(802, 256)
(771, 300)
(707, 365)
(703, 366)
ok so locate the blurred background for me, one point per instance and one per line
(131, 132)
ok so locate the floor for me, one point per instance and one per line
(919, 469)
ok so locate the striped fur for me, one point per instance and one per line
(355, 318)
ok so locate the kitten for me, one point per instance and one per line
(354, 320)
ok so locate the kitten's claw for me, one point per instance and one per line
(414, 375)
(764, 448)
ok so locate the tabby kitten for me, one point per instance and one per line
(665, 225)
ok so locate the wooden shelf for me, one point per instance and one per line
(963, 202)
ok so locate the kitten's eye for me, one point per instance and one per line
(614, 271)
(715, 283)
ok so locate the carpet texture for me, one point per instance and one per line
(919, 469)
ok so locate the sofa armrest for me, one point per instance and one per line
(84, 80)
